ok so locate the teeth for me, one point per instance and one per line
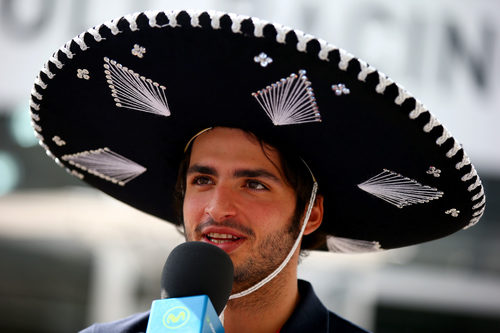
(218, 241)
(220, 237)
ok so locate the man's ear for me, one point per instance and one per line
(316, 216)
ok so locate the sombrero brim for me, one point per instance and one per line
(116, 106)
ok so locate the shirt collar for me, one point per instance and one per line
(310, 315)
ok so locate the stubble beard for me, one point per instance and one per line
(263, 259)
(268, 255)
(261, 262)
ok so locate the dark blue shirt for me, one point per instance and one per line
(310, 315)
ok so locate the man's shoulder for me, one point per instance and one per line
(136, 323)
(311, 315)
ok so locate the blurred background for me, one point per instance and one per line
(71, 256)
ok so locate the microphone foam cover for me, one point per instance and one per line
(198, 268)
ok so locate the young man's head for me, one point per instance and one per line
(246, 197)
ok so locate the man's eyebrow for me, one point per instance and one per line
(240, 173)
(255, 173)
(196, 168)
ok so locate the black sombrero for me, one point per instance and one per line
(117, 104)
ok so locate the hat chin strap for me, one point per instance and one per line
(290, 254)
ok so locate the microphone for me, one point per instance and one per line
(195, 286)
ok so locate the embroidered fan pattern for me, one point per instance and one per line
(133, 91)
(348, 245)
(289, 101)
(399, 190)
(106, 164)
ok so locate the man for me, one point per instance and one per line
(238, 198)
(241, 122)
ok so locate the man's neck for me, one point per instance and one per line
(265, 310)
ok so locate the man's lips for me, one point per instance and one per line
(220, 238)
(225, 238)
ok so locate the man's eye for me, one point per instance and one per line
(202, 180)
(255, 185)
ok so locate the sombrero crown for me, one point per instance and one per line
(116, 105)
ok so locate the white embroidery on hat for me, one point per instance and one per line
(75, 173)
(419, 109)
(113, 26)
(477, 215)
(83, 74)
(475, 185)
(215, 18)
(340, 89)
(453, 212)
(106, 164)
(36, 94)
(34, 105)
(58, 141)
(433, 122)
(345, 57)
(81, 41)
(302, 40)
(365, 70)
(55, 60)
(58, 162)
(402, 96)
(151, 15)
(479, 212)
(384, 82)
(40, 83)
(472, 222)
(195, 18)
(289, 101)
(259, 26)
(453, 151)
(236, 20)
(40, 140)
(45, 69)
(95, 33)
(480, 204)
(132, 91)
(325, 49)
(37, 127)
(263, 59)
(348, 245)
(398, 190)
(132, 21)
(48, 152)
(469, 175)
(67, 51)
(172, 18)
(138, 51)
(434, 171)
(282, 31)
(478, 195)
(465, 161)
(444, 137)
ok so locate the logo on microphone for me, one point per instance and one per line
(176, 317)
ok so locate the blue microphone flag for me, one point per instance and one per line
(193, 314)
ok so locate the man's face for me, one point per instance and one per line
(237, 199)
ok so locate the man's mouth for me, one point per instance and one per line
(225, 240)
(219, 238)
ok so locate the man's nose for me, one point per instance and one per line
(222, 204)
